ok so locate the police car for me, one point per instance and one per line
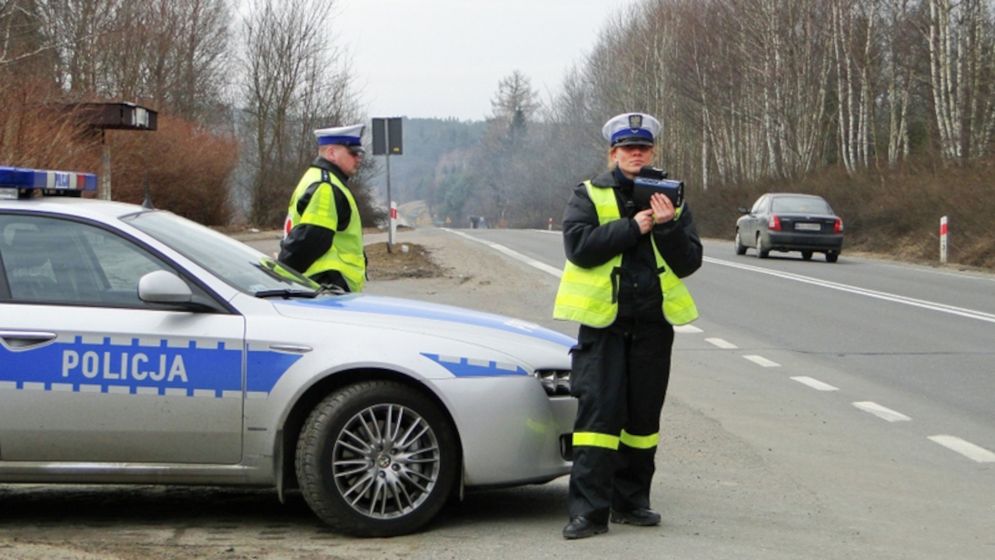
(139, 347)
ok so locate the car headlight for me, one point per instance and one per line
(556, 382)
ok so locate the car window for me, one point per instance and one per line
(237, 264)
(50, 260)
(800, 205)
(758, 205)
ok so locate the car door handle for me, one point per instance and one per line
(19, 340)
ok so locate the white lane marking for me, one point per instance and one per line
(724, 344)
(815, 383)
(761, 361)
(687, 329)
(932, 305)
(553, 231)
(513, 254)
(965, 448)
(881, 412)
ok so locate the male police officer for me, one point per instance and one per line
(622, 284)
(323, 236)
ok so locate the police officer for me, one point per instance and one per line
(323, 236)
(622, 283)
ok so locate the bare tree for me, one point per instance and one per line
(853, 32)
(291, 83)
(897, 69)
(961, 48)
(73, 27)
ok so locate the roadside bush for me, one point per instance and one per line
(187, 169)
(36, 132)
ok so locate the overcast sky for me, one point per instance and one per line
(444, 58)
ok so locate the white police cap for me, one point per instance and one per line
(631, 128)
(345, 135)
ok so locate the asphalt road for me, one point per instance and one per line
(866, 384)
(816, 411)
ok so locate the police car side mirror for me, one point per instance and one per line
(163, 287)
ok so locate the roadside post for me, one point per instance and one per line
(392, 228)
(550, 226)
(387, 141)
(943, 239)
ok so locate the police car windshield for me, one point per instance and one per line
(239, 265)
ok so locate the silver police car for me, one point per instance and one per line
(139, 347)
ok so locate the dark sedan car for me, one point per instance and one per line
(790, 222)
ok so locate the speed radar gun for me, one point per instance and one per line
(652, 180)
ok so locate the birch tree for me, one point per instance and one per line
(853, 31)
(897, 69)
(961, 49)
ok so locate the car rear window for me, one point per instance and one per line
(801, 205)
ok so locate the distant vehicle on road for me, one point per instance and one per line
(140, 347)
(790, 222)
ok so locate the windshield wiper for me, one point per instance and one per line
(287, 293)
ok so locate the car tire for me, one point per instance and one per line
(377, 459)
(832, 257)
(740, 248)
(807, 255)
(762, 252)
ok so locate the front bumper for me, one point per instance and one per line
(509, 428)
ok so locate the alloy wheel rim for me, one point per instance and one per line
(386, 461)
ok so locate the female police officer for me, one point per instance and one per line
(622, 284)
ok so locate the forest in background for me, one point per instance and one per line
(885, 107)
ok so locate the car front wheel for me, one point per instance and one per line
(740, 248)
(376, 459)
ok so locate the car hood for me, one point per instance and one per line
(498, 332)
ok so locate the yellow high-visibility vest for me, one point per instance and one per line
(588, 296)
(346, 253)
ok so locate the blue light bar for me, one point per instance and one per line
(20, 178)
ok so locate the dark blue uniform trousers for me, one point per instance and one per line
(619, 376)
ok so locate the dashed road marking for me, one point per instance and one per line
(815, 383)
(724, 344)
(881, 412)
(687, 329)
(965, 448)
(761, 361)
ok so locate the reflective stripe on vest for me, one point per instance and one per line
(346, 253)
(590, 295)
(594, 439)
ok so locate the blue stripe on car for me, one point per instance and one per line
(160, 366)
(462, 367)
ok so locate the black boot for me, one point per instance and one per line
(643, 517)
(581, 527)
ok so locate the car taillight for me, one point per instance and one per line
(838, 226)
(774, 223)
